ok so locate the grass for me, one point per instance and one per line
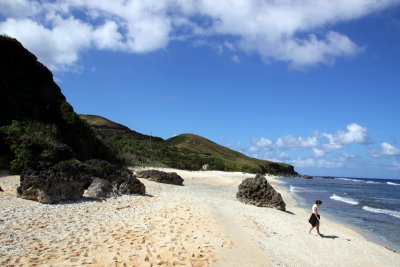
(186, 151)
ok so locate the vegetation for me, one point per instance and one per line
(37, 123)
(187, 151)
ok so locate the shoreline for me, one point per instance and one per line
(198, 224)
(330, 218)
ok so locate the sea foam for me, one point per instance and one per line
(383, 211)
(392, 183)
(345, 199)
(372, 182)
(348, 179)
(298, 189)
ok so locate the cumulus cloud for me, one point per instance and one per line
(318, 153)
(295, 143)
(263, 142)
(57, 47)
(355, 134)
(277, 156)
(290, 31)
(344, 160)
(19, 8)
(309, 162)
(390, 150)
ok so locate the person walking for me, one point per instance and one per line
(315, 217)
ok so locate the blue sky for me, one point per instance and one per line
(312, 83)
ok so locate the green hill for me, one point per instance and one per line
(98, 121)
(186, 151)
(230, 158)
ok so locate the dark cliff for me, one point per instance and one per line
(36, 121)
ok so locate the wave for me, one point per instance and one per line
(372, 182)
(383, 211)
(297, 189)
(348, 179)
(345, 199)
(392, 183)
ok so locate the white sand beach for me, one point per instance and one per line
(198, 224)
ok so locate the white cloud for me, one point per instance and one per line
(58, 47)
(263, 142)
(19, 8)
(290, 31)
(253, 149)
(390, 150)
(310, 162)
(277, 156)
(355, 134)
(343, 160)
(295, 143)
(318, 153)
(235, 58)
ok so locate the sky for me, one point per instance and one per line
(315, 84)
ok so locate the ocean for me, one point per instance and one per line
(369, 206)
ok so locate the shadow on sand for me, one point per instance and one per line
(4, 173)
(292, 213)
(330, 236)
(88, 199)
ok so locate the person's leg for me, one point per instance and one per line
(309, 231)
(318, 230)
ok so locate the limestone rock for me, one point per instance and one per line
(257, 191)
(48, 183)
(67, 180)
(129, 186)
(161, 177)
(99, 189)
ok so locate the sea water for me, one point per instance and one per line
(370, 206)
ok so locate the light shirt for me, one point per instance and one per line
(313, 207)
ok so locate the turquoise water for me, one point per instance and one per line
(371, 206)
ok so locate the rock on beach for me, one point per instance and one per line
(257, 191)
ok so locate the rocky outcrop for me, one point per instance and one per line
(36, 121)
(99, 189)
(257, 191)
(67, 180)
(48, 183)
(161, 177)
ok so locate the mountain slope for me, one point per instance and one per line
(186, 151)
(36, 121)
(98, 121)
(231, 158)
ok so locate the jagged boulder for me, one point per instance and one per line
(257, 191)
(100, 189)
(129, 186)
(161, 177)
(48, 183)
(67, 180)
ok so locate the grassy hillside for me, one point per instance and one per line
(230, 158)
(187, 151)
(98, 121)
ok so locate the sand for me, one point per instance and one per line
(198, 224)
